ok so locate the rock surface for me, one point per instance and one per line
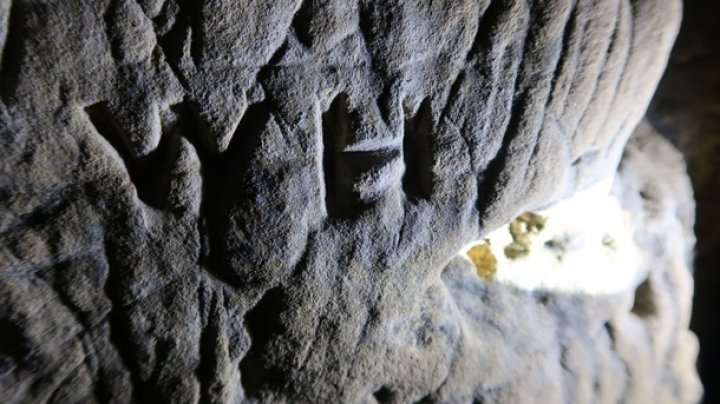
(686, 109)
(218, 202)
(575, 342)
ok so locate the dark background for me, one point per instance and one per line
(686, 109)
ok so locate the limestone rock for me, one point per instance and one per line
(261, 201)
(685, 110)
(609, 278)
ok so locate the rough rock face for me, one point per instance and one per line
(631, 345)
(217, 202)
(686, 109)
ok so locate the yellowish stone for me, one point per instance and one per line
(520, 229)
(485, 262)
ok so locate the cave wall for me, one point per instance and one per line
(686, 109)
(264, 201)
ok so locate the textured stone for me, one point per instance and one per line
(261, 201)
(585, 340)
(686, 109)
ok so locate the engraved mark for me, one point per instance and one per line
(417, 181)
(263, 322)
(149, 173)
(178, 28)
(343, 168)
(336, 126)
(301, 23)
(222, 173)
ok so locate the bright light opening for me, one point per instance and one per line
(581, 245)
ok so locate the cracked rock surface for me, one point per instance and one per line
(262, 201)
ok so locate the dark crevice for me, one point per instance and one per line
(224, 182)
(301, 23)
(490, 182)
(586, 158)
(119, 321)
(453, 94)
(113, 20)
(177, 24)
(104, 390)
(359, 161)
(197, 39)
(166, 19)
(367, 23)
(204, 370)
(383, 395)
(149, 173)
(417, 182)
(374, 25)
(426, 399)
(196, 129)
(265, 73)
(487, 25)
(612, 335)
(610, 330)
(385, 102)
(543, 298)
(188, 16)
(274, 60)
(208, 362)
(13, 51)
(304, 260)
(644, 305)
(172, 42)
(263, 322)
(14, 347)
(565, 362)
(212, 308)
(340, 199)
(342, 168)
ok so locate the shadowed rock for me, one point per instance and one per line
(223, 202)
